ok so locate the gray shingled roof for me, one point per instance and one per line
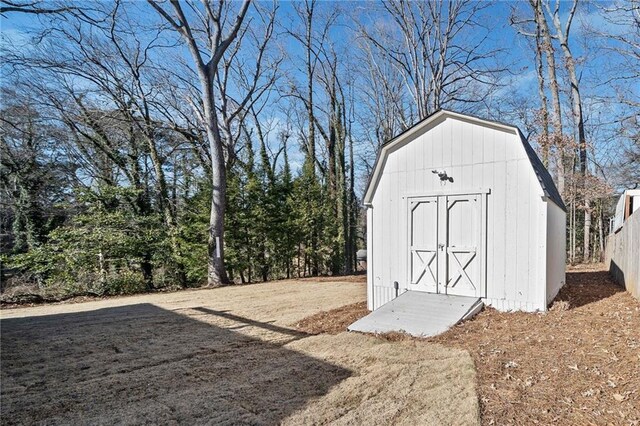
(545, 179)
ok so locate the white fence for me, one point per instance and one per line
(622, 254)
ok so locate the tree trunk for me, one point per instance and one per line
(563, 37)
(103, 271)
(311, 143)
(541, 20)
(215, 245)
(288, 266)
(147, 270)
(572, 233)
(299, 256)
(351, 225)
(207, 70)
(587, 229)
(544, 138)
(601, 234)
(168, 213)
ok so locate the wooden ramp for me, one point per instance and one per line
(419, 314)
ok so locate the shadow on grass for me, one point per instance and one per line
(248, 322)
(144, 364)
(585, 287)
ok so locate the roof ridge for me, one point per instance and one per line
(544, 177)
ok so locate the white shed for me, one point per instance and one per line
(463, 206)
(628, 203)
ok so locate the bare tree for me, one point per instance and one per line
(622, 42)
(208, 41)
(547, 47)
(33, 172)
(36, 7)
(562, 33)
(619, 39)
(322, 90)
(544, 45)
(334, 134)
(544, 111)
(100, 82)
(387, 111)
(426, 43)
(313, 37)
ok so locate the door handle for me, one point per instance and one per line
(441, 246)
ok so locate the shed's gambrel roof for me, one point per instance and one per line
(544, 178)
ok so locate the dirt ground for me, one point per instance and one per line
(578, 364)
(223, 356)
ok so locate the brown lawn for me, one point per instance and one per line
(277, 353)
(223, 356)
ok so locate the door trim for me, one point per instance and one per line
(470, 191)
(481, 252)
(428, 261)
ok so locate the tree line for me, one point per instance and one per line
(169, 143)
(567, 144)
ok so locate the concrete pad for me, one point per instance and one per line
(419, 314)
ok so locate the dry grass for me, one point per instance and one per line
(404, 383)
(29, 295)
(222, 356)
(281, 301)
(359, 278)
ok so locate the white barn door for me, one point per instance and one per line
(423, 244)
(446, 244)
(463, 245)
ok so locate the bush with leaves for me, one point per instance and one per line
(194, 222)
(100, 250)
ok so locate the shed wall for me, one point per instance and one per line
(477, 157)
(556, 250)
(370, 262)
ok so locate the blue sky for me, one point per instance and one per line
(496, 17)
(521, 81)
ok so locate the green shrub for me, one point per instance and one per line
(100, 250)
(124, 282)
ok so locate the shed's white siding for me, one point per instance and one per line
(519, 221)
(556, 250)
(370, 272)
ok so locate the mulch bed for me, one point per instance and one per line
(334, 321)
(357, 278)
(578, 364)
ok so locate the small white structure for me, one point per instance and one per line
(628, 203)
(463, 206)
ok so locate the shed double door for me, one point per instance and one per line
(446, 235)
